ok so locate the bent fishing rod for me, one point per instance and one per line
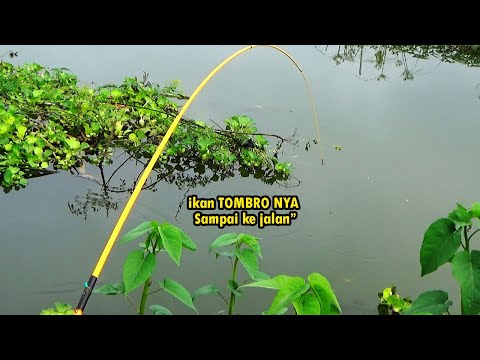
(90, 284)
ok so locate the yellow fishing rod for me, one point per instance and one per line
(90, 284)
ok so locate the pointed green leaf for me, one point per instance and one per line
(466, 270)
(21, 131)
(225, 239)
(137, 269)
(322, 290)
(111, 289)
(289, 288)
(249, 261)
(178, 291)
(172, 241)
(205, 290)
(261, 276)
(187, 242)
(307, 304)
(440, 243)
(138, 231)
(429, 303)
(160, 310)
(252, 242)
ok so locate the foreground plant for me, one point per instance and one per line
(140, 265)
(391, 303)
(246, 250)
(448, 240)
(314, 297)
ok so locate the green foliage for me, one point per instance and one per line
(430, 303)
(60, 309)
(140, 264)
(49, 122)
(391, 303)
(441, 244)
(313, 298)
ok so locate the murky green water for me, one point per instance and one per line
(409, 151)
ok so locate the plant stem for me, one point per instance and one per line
(467, 239)
(232, 295)
(143, 301)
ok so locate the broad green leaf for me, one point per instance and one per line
(429, 303)
(440, 243)
(252, 242)
(326, 297)
(137, 269)
(249, 261)
(160, 310)
(138, 231)
(111, 289)
(225, 239)
(187, 242)
(307, 304)
(285, 296)
(475, 211)
(466, 270)
(289, 288)
(178, 291)
(205, 290)
(461, 216)
(261, 276)
(172, 241)
(234, 288)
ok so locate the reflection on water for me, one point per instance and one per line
(401, 140)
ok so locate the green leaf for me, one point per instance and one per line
(138, 231)
(234, 288)
(205, 290)
(172, 241)
(475, 211)
(440, 243)
(249, 261)
(261, 276)
(21, 131)
(429, 303)
(187, 242)
(229, 254)
(466, 270)
(461, 216)
(225, 239)
(178, 291)
(111, 289)
(252, 242)
(289, 288)
(62, 307)
(326, 297)
(160, 310)
(137, 269)
(307, 304)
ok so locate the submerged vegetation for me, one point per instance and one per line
(49, 122)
